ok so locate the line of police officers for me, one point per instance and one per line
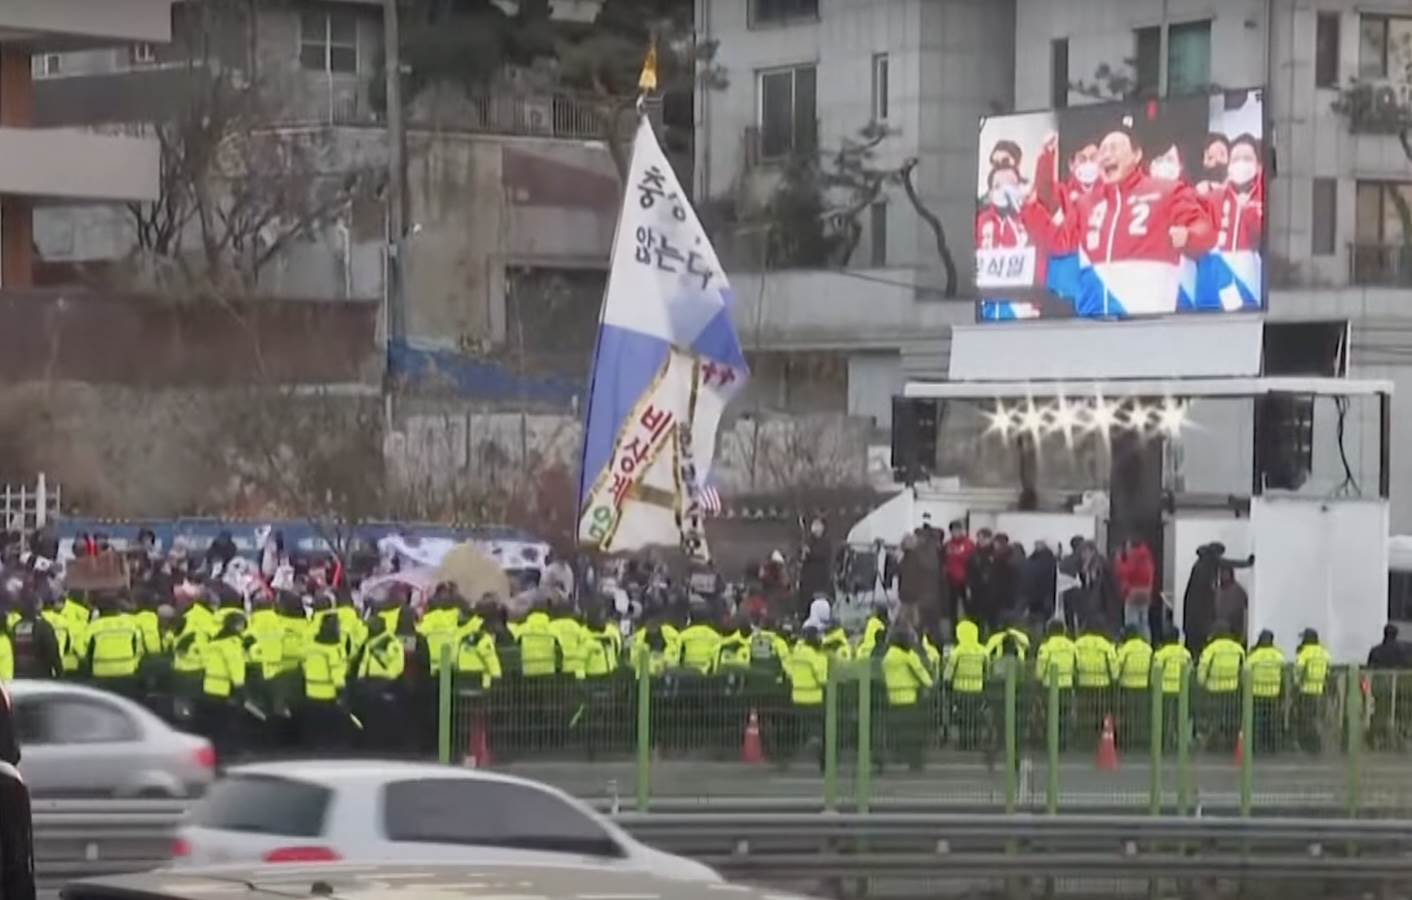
(284, 675)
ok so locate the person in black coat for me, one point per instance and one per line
(982, 580)
(1199, 603)
(815, 567)
(1037, 582)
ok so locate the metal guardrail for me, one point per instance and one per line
(75, 839)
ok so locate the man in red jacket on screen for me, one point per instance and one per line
(1131, 233)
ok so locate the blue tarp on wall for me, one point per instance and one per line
(478, 378)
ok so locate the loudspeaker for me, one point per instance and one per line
(1284, 440)
(914, 427)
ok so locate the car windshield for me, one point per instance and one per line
(262, 804)
(491, 814)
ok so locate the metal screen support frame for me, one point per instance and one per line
(1246, 737)
(1184, 741)
(1353, 704)
(864, 780)
(831, 741)
(1154, 686)
(644, 738)
(1012, 762)
(1051, 784)
(445, 708)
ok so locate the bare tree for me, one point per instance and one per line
(235, 188)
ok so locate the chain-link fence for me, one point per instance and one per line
(1173, 745)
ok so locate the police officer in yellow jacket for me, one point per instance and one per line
(1218, 674)
(540, 695)
(699, 643)
(1173, 660)
(1013, 635)
(1266, 667)
(440, 623)
(477, 659)
(223, 684)
(1097, 661)
(1055, 664)
(1133, 668)
(874, 637)
(904, 676)
(379, 696)
(114, 649)
(965, 675)
(1311, 673)
(195, 627)
(323, 723)
(65, 635)
(807, 669)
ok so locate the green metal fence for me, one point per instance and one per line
(1017, 744)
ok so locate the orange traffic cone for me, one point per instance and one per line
(1240, 748)
(1107, 748)
(751, 753)
(478, 750)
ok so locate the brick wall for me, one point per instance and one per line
(151, 342)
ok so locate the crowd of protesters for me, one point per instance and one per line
(304, 662)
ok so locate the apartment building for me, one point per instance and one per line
(810, 74)
(46, 165)
(512, 196)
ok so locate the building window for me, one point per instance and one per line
(880, 88)
(788, 115)
(328, 41)
(1188, 58)
(1382, 238)
(1325, 215)
(877, 234)
(780, 12)
(1385, 48)
(141, 55)
(1326, 38)
(1059, 73)
(1147, 61)
(46, 65)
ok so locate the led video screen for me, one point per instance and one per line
(1118, 210)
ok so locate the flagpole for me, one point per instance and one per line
(646, 82)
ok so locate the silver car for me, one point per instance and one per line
(79, 741)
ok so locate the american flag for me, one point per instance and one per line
(711, 500)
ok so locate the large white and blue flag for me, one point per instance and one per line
(666, 363)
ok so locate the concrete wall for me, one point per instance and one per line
(481, 204)
(440, 441)
(146, 342)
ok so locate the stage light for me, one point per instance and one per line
(1171, 417)
(999, 420)
(1032, 419)
(1103, 415)
(1066, 417)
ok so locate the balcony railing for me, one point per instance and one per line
(550, 115)
(1380, 265)
(565, 116)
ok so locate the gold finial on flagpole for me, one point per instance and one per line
(647, 81)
